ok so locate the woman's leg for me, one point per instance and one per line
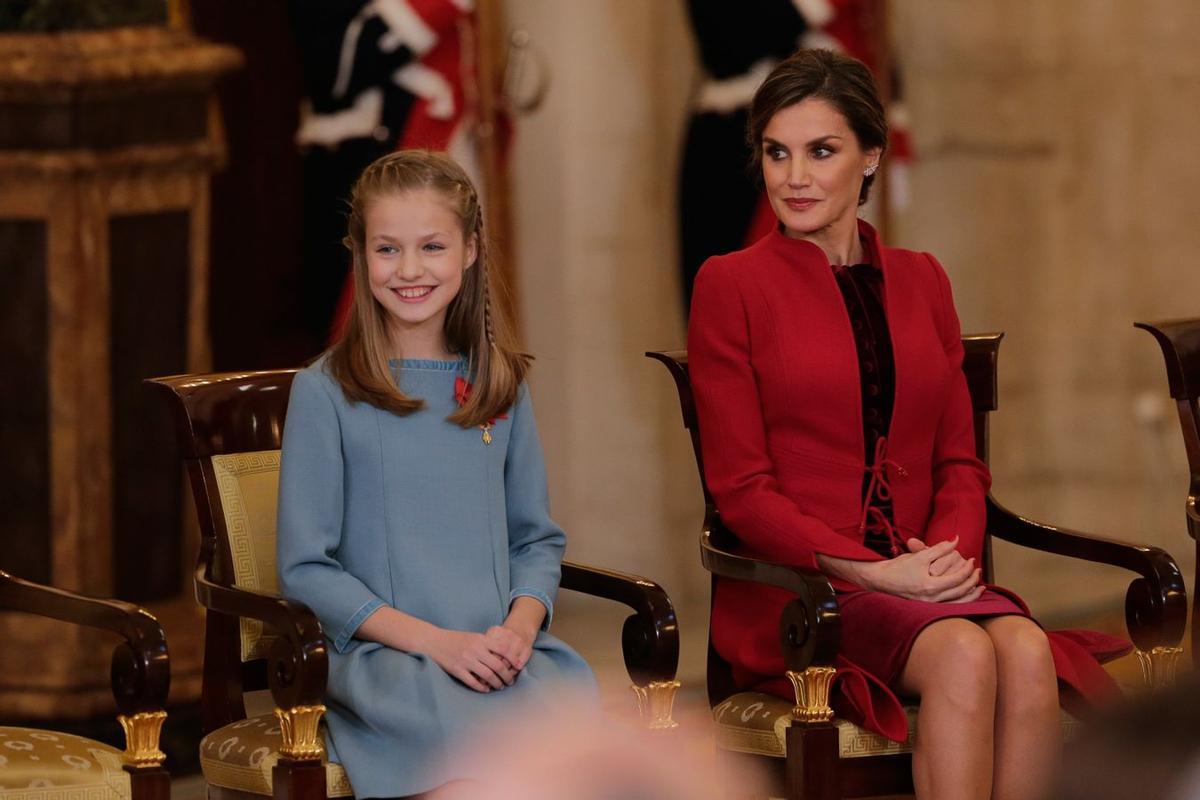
(1028, 732)
(952, 668)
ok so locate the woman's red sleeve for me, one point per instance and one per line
(960, 480)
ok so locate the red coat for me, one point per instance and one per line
(774, 364)
(773, 360)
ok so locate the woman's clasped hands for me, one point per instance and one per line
(933, 573)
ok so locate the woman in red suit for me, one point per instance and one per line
(837, 434)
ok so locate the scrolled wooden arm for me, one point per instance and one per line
(1155, 603)
(810, 625)
(650, 636)
(298, 665)
(141, 668)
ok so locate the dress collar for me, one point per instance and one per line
(805, 252)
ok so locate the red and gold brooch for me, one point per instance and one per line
(462, 393)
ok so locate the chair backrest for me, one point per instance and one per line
(230, 429)
(979, 366)
(1180, 343)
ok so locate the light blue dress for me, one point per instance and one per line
(419, 514)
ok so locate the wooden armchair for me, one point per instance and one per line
(48, 765)
(809, 753)
(230, 429)
(1180, 343)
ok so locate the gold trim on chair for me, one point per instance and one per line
(242, 755)
(1158, 666)
(301, 732)
(656, 702)
(141, 738)
(812, 693)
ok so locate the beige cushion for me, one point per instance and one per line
(248, 485)
(242, 755)
(46, 765)
(757, 723)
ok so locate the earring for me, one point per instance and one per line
(869, 171)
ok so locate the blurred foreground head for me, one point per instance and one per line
(1148, 748)
(576, 753)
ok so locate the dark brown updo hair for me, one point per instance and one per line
(842, 81)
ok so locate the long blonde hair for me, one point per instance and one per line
(476, 326)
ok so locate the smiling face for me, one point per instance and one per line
(813, 166)
(416, 255)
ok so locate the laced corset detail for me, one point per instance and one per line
(879, 489)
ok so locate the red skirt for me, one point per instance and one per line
(878, 631)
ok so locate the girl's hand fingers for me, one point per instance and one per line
(505, 644)
(524, 657)
(471, 681)
(487, 675)
(500, 667)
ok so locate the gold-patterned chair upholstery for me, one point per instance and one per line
(757, 723)
(242, 756)
(47, 765)
(38, 764)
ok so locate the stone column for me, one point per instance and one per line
(593, 186)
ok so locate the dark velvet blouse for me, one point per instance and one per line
(862, 289)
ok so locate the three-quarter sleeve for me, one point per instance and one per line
(535, 542)
(311, 504)
(737, 466)
(960, 480)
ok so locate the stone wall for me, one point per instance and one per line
(1056, 183)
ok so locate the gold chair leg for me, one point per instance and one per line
(300, 727)
(141, 738)
(812, 693)
(1158, 666)
(656, 702)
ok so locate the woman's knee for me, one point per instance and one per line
(1024, 658)
(962, 663)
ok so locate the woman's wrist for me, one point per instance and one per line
(856, 572)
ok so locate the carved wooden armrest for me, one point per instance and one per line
(809, 626)
(1155, 603)
(297, 666)
(649, 638)
(141, 670)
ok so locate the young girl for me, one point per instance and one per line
(413, 512)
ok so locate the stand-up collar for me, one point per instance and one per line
(804, 252)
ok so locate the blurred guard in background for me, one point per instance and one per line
(379, 75)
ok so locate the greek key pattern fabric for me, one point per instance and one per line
(46, 765)
(243, 754)
(248, 485)
(757, 723)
